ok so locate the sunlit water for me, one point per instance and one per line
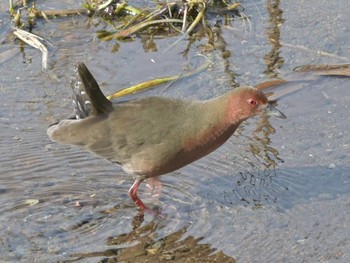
(277, 191)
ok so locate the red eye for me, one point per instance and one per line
(252, 102)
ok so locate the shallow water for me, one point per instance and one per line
(277, 191)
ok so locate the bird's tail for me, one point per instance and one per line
(88, 97)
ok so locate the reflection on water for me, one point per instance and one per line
(261, 146)
(273, 60)
(143, 245)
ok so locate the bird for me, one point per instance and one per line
(152, 136)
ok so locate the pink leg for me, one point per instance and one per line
(155, 187)
(133, 194)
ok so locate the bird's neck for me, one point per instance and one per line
(226, 109)
(214, 126)
(234, 114)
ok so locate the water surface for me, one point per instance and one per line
(277, 191)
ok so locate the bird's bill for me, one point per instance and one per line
(271, 110)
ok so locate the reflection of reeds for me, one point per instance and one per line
(263, 150)
(273, 59)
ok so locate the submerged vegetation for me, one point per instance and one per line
(125, 21)
(121, 21)
(160, 18)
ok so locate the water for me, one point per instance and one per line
(277, 191)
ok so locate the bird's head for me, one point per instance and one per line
(246, 102)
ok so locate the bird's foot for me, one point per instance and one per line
(155, 187)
